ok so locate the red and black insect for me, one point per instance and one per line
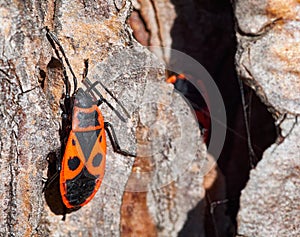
(195, 98)
(81, 166)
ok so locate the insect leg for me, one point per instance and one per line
(53, 170)
(50, 181)
(64, 133)
(114, 141)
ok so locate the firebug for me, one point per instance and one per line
(195, 98)
(81, 166)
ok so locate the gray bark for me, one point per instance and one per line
(31, 87)
(268, 60)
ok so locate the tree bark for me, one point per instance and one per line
(31, 88)
(268, 61)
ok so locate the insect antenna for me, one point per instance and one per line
(54, 40)
(91, 88)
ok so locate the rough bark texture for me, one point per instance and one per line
(268, 60)
(173, 176)
(31, 87)
(28, 131)
(158, 17)
(204, 30)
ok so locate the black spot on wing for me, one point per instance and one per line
(97, 160)
(73, 163)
